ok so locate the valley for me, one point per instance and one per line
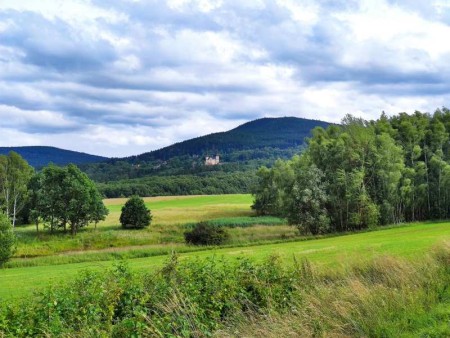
(277, 224)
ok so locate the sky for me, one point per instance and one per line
(119, 78)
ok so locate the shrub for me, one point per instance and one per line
(206, 234)
(7, 240)
(135, 214)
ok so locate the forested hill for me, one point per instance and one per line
(180, 169)
(279, 133)
(39, 156)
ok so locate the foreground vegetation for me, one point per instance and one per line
(383, 297)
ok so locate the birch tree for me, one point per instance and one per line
(15, 173)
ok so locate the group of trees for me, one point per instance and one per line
(58, 197)
(15, 174)
(64, 197)
(7, 240)
(185, 165)
(360, 174)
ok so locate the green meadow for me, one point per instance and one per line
(410, 241)
(170, 215)
(397, 267)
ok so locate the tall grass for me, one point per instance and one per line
(385, 297)
(388, 297)
(240, 237)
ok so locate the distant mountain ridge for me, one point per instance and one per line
(40, 156)
(241, 150)
(280, 133)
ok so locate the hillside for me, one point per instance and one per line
(278, 133)
(241, 150)
(39, 156)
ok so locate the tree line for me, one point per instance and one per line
(208, 183)
(363, 173)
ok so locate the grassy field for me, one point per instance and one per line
(170, 214)
(410, 241)
(60, 257)
(185, 209)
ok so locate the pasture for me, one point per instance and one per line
(170, 215)
(408, 241)
(185, 209)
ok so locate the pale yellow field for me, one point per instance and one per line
(185, 209)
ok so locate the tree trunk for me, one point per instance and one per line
(439, 193)
(14, 212)
(73, 227)
(16, 195)
(428, 183)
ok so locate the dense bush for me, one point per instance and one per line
(135, 214)
(7, 240)
(204, 233)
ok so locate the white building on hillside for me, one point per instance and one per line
(212, 160)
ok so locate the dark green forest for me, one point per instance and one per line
(279, 133)
(209, 183)
(363, 173)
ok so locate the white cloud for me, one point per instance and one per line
(72, 11)
(12, 116)
(124, 77)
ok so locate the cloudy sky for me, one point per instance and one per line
(121, 77)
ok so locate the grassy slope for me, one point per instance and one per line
(408, 241)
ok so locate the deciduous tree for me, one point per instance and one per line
(66, 197)
(14, 176)
(7, 239)
(135, 214)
